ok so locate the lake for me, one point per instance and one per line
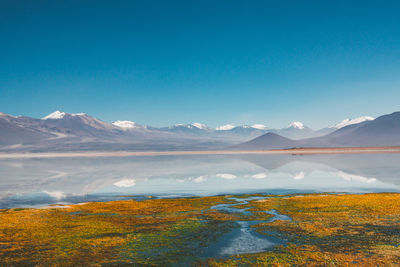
(40, 182)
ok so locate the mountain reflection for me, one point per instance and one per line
(30, 182)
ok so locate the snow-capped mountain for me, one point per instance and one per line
(296, 125)
(382, 131)
(55, 129)
(60, 131)
(78, 131)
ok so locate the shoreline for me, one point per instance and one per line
(293, 151)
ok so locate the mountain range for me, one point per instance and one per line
(382, 131)
(61, 131)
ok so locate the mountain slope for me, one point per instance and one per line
(16, 131)
(383, 131)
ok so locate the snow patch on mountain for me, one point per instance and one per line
(200, 126)
(126, 124)
(259, 127)
(347, 122)
(56, 115)
(226, 127)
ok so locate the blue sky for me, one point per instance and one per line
(216, 62)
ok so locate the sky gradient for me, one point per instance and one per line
(215, 62)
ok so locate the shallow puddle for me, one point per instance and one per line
(244, 239)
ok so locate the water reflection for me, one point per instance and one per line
(30, 182)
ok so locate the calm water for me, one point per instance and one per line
(38, 182)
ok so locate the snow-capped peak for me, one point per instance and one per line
(126, 124)
(55, 115)
(200, 126)
(347, 122)
(259, 127)
(296, 125)
(226, 127)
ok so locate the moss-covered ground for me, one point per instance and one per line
(326, 229)
(329, 230)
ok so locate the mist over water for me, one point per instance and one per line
(38, 182)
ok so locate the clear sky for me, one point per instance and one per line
(216, 62)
